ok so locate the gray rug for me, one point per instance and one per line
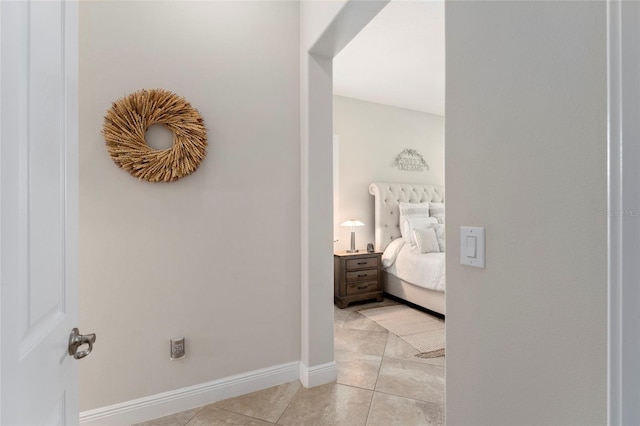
(422, 331)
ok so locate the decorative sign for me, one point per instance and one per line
(410, 161)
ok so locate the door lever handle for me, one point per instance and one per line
(76, 340)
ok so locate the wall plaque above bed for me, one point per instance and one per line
(409, 160)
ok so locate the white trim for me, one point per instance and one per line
(318, 374)
(2, 384)
(614, 402)
(72, 191)
(623, 59)
(166, 403)
(336, 188)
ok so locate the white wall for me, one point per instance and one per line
(526, 157)
(213, 256)
(371, 135)
(325, 28)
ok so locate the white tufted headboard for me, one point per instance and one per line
(387, 196)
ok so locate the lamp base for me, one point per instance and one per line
(353, 242)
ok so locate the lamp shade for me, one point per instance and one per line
(352, 223)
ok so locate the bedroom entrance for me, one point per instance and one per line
(388, 211)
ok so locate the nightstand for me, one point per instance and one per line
(357, 276)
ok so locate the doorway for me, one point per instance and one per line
(331, 31)
(388, 99)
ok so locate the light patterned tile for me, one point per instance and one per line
(357, 321)
(178, 419)
(339, 315)
(331, 404)
(211, 416)
(412, 380)
(267, 404)
(399, 349)
(366, 342)
(356, 369)
(392, 410)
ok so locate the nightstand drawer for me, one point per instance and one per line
(361, 287)
(356, 277)
(364, 275)
(369, 262)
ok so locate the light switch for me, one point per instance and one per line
(472, 246)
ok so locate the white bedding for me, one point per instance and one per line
(407, 263)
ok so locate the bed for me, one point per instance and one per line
(411, 287)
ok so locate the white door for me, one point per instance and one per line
(38, 211)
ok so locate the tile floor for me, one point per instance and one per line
(380, 382)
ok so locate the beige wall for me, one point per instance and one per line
(526, 157)
(214, 256)
(371, 135)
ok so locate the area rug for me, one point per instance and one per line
(422, 331)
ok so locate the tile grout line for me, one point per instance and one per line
(364, 389)
(366, 421)
(243, 415)
(197, 411)
(413, 399)
(382, 360)
(355, 387)
(354, 352)
(375, 385)
(289, 403)
(417, 362)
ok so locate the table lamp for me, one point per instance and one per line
(352, 224)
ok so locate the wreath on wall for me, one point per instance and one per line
(127, 122)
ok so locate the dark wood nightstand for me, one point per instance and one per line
(357, 276)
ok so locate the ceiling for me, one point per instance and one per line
(397, 59)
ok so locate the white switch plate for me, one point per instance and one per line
(470, 235)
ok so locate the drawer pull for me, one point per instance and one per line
(362, 263)
(362, 275)
(362, 287)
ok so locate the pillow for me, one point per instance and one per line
(417, 222)
(437, 210)
(391, 252)
(409, 211)
(439, 228)
(426, 240)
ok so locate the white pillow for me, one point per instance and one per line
(417, 222)
(410, 211)
(426, 240)
(437, 210)
(391, 252)
(439, 228)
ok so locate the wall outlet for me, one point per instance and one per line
(177, 348)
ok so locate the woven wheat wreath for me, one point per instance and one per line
(129, 119)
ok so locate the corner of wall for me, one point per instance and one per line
(318, 374)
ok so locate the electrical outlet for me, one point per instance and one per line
(177, 348)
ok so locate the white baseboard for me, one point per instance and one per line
(164, 404)
(318, 374)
